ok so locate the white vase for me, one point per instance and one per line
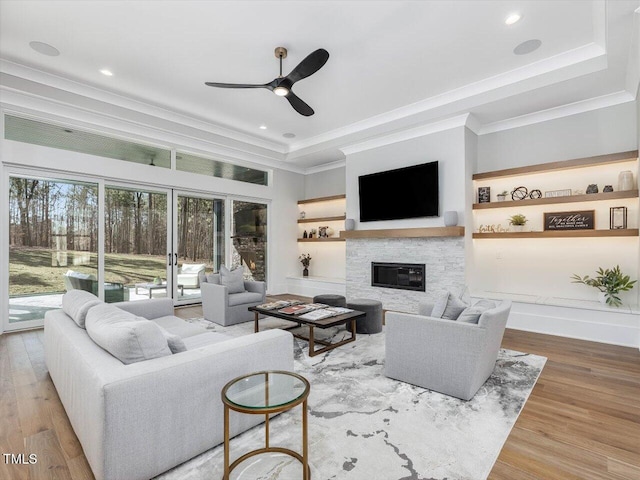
(602, 298)
(349, 224)
(625, 180)
(517, 228)
(450, 218)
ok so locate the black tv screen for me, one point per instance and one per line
(409, 192)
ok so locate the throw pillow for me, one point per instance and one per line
(448, 306)
(176, 344)
(485, 304)
(232, 279)
(470, 315)
(76, 304)
(213, 278)
(129, 338)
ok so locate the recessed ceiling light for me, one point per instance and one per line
(106, 72)
(527, 47)
(263, 127)
(513, 18)
(44, 49)
(289, 135)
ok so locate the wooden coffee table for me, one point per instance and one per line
(347, 318)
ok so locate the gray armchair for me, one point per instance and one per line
(224, 308)
(449, 357)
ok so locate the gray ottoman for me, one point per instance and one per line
(330, 299)
(372, 323)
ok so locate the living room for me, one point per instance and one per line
(135, 175)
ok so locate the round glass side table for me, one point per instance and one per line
(265, 393)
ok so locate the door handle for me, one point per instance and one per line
(176, 264)
(169, 261)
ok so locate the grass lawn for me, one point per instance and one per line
(35, 270)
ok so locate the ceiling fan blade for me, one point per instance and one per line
(310, 65)
(298, 105)
(238, 85)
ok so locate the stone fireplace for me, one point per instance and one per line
(443, 259)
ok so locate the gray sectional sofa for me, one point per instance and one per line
(137, 420)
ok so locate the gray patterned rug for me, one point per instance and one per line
(365, 426)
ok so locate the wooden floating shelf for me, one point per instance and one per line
(564, 165)
(322, 199)
(405, 233)
(330, 239)
(594, 197)
(629, 232)
(322, 219)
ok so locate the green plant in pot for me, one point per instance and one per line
(518, 221)
(502, 196)
(610, 282)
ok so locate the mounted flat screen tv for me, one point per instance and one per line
(409, 192)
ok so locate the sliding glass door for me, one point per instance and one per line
(200, 241)
(137, 263)
(53, 244)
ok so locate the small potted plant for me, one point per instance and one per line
(609, 282)
(502, 196)
(305, 259)
(518, 221)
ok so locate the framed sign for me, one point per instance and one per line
(484, 194)
(557, 193)
(617, 218)
(580, 220)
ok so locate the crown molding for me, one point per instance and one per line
(567, 110)
(325, 166)
(65, 84)
(408, 134)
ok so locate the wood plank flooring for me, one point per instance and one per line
(582, 420)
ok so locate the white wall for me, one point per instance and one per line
(447, 147)
(598, 132)
(326, 183)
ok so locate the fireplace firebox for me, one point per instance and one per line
(404, 276)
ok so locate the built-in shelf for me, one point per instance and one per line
(405, 233)
(563, 165)
(321, 199)
(330, 239)
(594, 197)
(322, 219)
(629, 232)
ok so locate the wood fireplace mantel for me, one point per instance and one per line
(405, 233)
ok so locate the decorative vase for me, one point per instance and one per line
(305, 234)
(518, 228)
(625, 180)
(450, 218)
(349, 224)
(305, 272)
(502, 198)
(602, 298)
(607, 188)
(592, 188)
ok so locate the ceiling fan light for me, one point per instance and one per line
(281, 91)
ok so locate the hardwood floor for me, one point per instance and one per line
(582, 420)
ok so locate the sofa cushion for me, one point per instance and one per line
(176, 344)
(205, 339)
(244, 298)
(470, 315)
(485, 304)
(213, 278)
(191, 268)
(76, 304)
(232, 279)
(129, 338)
(179, 327)
(448, 306)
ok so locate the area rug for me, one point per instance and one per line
(365, 426)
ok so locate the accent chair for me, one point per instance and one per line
(225, 308)
(450, 357)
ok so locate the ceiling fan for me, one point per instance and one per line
(281, 86)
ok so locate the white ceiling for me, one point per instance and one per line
(393, 64)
